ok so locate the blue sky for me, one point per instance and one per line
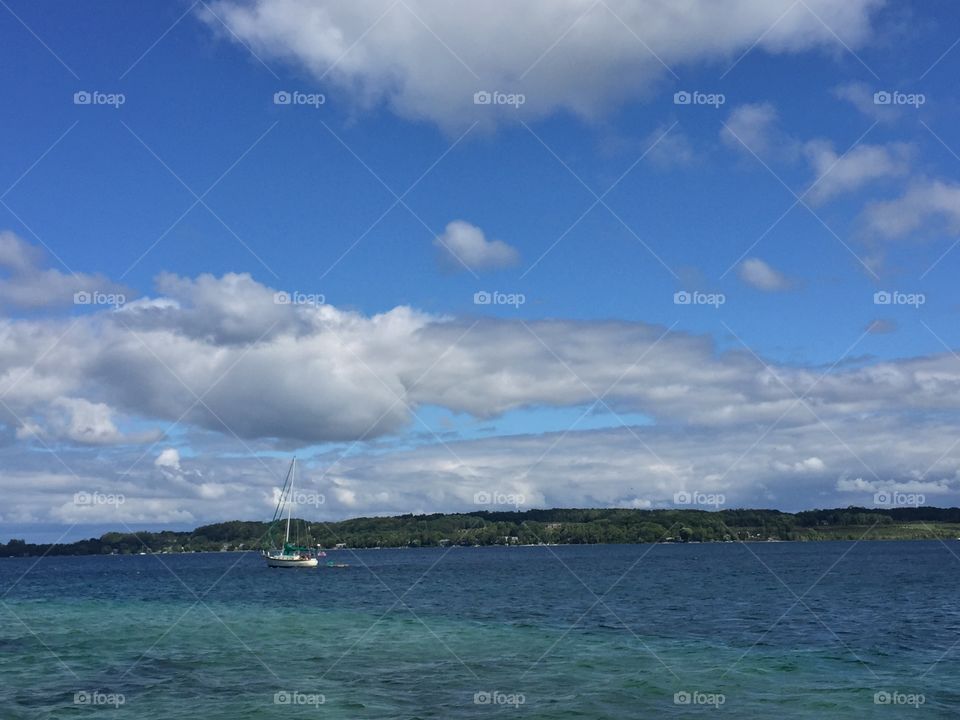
(304, 199)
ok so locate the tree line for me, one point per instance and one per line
(529, 527)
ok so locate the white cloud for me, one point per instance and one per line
(168, 458)
(792, 466)
(426, 58)
(17, 255)
(907, 485)
(310, 375)
(635, 504)
(133, 510)
(753, 129)
(758, 274)
(230, 309)
(856, 485)
(801, 467)
(925, 204)
(463, 245)
(668, 147)
(319, 374)
(25, 283)
(860, 95)
(836, 174)
(79, 421)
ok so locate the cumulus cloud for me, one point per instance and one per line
(939, 487)
(168, 458)
(18, 255)
(79, 421)
(758, 274)
(668, 147)
(925, 205)
(855, 485)
(752, 128)
(860, 95)
(136, 510)
(839, 174)
(24, 282)
(810, 465)
(464, 246)
(314, 374)
(425, 59)
(755, 129)
(797, 466)
(232, 309)
(317, 373)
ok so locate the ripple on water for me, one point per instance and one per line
(494, 621)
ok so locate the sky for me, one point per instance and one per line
(462, 257)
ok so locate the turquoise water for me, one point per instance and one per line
(582, 632)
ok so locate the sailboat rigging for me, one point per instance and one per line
(291, 554)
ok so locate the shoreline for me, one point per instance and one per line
(485, 547)
(529, 528)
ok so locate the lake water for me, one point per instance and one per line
(771, 630)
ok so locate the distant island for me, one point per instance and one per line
(532, 527)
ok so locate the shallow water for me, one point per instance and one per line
(784, 630)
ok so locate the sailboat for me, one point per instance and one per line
(292, 555)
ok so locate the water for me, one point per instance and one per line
(772, 630)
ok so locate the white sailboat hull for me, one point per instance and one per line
(289, 562)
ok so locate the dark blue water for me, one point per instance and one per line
(765, 630)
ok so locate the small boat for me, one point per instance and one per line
(292, 555)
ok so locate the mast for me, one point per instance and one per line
(293, 467)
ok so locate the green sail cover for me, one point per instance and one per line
(289, 549)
